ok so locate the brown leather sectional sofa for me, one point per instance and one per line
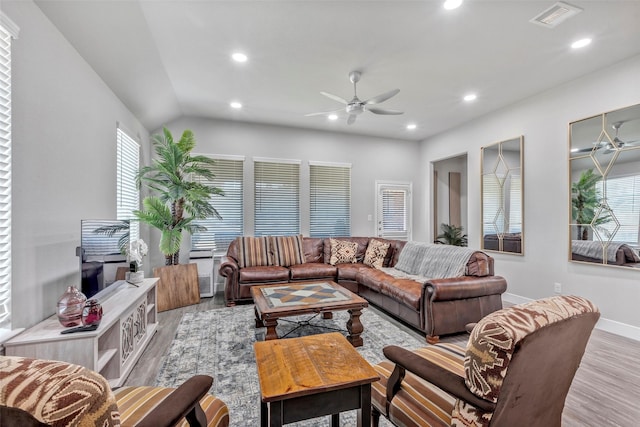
(437, 307)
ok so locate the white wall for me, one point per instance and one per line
(64, 160)
(371, 159)
(543, 120)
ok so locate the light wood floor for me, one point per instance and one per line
(605, 391)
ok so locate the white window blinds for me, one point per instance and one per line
(7, 30)
(623, 197)
(330, 200)
(220, 232)
(277, 197)
(493, 215)
(515, 204)
(128, 195)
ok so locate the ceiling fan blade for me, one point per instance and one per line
(381, 98)
(351, 120)
(324, 113)
(334, 97)
(383, 111)
(582, 150)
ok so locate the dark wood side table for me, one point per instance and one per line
(310, 377)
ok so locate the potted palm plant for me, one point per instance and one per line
(451, 235)
(179, 196)
(585, 201)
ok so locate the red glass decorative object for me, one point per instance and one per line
(92, 313)
(70, 307)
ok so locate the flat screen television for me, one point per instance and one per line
(101, 252)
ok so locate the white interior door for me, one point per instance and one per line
(393, 210)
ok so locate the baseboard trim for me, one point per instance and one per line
(615, 327)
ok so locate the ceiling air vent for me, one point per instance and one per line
(556, 14)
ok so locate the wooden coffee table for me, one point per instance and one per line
(273, 302)
(310, 377)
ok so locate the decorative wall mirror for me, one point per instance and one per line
(604, 157)
(502, 196)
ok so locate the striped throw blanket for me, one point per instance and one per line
(433, 261)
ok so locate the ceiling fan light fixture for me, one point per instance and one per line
(452, 4)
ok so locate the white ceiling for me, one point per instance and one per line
(167, 59)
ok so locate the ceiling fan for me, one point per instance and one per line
(355, 107)
(610, 147)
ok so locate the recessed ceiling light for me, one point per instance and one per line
(239, 57)
(470, 97)
(411, 126)
(581, 43)
(452, 4)
(332, 117)
(236, 105)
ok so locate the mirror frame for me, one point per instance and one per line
(517, 243)
(589, 141)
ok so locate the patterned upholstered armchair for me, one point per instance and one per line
(36, 392)
(516, 370)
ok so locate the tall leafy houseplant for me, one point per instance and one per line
(451, 235)
(585, 201)
(179, 198)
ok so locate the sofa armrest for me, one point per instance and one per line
(182, 402)
(228, 266)
(435, 374)
(454, 288)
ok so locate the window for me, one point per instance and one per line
(220, 232)
(7, 30)
(128, 195)
(623, 197)
(277, 197)
(393, 210)
(330, 197)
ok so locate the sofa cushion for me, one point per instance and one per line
(404, 290)
(376, 253)
(407, 291)
(312, 270)
(136, 402)
(264, 274)
(362, 242)
(56, 393)
(287, 250)
(313, 248)
(343, 252)
(253, 251)
(350, 271)
(418, 402)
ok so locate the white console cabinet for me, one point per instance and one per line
(128, 323)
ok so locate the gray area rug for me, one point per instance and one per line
(219, 343)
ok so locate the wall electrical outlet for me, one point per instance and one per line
(557, 288)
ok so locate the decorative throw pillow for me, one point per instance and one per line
(376, 251)
(287, 250)
(253, 251)
(343, 252)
